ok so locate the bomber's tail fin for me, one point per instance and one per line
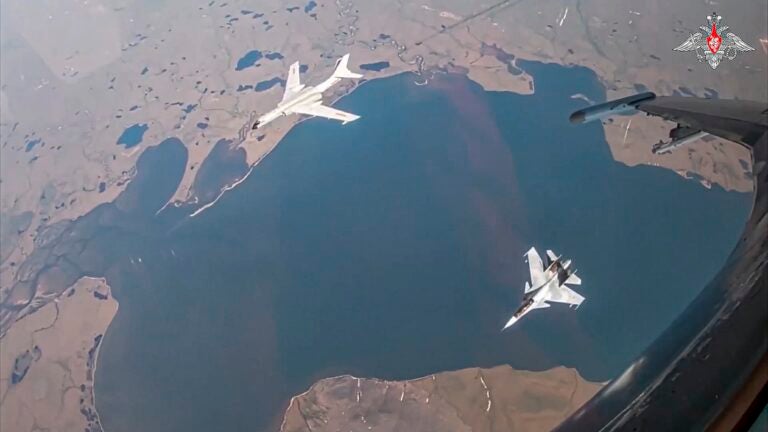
(342, 71)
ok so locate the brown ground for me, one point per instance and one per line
(64, 82)
(60, 343)
(72, 75)
(478, 400)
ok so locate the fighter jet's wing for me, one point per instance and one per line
(293, 83)
(320, 110)
(536, 267)
(565, 295)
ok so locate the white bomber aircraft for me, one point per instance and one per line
(548, 284)
(299, 99)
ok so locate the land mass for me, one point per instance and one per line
(499, 399)
(196, 72)
(76, 77)
(48, 360)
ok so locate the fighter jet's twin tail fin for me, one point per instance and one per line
(342, 71)
(554, 290)
(527, 288)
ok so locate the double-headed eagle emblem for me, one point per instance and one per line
(712, 47)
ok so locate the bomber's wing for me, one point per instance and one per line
(736, 43)
(563, 294)
(641, 396)
(693, 42)
(293, 83)
(536, 267)
(321, 110)
(740, 121)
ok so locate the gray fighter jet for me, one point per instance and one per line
(548, 284)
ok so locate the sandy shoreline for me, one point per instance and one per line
(139, 71)
(477, 399)
(409, 37)
(56, 390)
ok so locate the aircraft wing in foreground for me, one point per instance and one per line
(707, 370)
(733, 120)
(548, 284)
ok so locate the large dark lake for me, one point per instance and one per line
(392, 247)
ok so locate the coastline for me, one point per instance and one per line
(490, 77)
(344, 401)
(654, 129)
(483, 48)
(255, 157)
(98, 354)
(232, 187)
(58, 385)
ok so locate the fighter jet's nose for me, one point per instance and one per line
(509, 323)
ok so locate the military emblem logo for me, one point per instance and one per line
(712, 48)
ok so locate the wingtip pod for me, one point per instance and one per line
(342, 70)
